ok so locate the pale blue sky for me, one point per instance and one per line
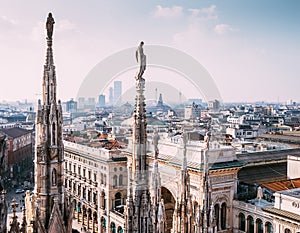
(251, 48)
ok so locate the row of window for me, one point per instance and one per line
(85, 193)
(73, 157)
(249, 223)
(82, 172)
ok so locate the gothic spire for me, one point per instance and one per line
(207, 207)
(182, 217)
(140, 221)
(49, 146)
(158, 209)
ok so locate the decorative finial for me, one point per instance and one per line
(49, 26)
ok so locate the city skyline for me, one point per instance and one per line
(244, 46)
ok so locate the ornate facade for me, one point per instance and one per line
(48, 209)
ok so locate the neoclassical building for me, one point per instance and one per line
(97, 178)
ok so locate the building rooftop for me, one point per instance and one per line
(284, 186)
(263, 174)
(15, 132)
(283, 213)
(293, 192)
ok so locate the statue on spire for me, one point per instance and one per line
(141, 59)
(49, 26)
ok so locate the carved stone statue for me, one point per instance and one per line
(49, 26)
(207, 139)
(141, 59)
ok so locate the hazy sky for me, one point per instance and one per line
(251, 47)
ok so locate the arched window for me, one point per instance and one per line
(84, 192)
(103, 224)
(102, 200)
(115, 181)
(259, 225)
(269, 227)
(242, 222)
(89, 195)
(118, 199)
(54, 177)
(287, 230)
(223, 216)
(250, 224)
(120, 180)
(120, 230)
(95, 198)
(79, 190)
(113, 227)
(217, 210)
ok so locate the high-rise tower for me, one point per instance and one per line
(117, 92)
(48, 203)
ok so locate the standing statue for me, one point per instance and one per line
(141, 59)
(49, 26)
(207, 140)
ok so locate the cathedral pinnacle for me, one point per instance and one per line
(49, 205)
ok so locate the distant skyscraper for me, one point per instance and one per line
(117, 92)
(71, 106)
(101, 100)
(91, 103)
(111, 96)
(81, 102)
